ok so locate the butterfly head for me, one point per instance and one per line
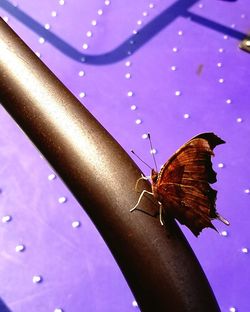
(154, 176)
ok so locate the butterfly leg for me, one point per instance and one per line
(138, 202)
(160, 213)
(141, 178)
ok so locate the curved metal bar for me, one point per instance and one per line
(157, 262)
(177, 9)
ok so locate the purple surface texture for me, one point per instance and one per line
(171, 68)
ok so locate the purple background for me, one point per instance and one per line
(187, 75)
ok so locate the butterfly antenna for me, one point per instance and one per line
(141, 159)
(152, 151)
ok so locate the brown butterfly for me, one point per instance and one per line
(182, 187)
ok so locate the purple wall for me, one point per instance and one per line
(171, 68)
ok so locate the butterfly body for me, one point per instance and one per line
(182, 187)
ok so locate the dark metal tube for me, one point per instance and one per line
(157, 262)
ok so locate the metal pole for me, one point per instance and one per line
(157, 262)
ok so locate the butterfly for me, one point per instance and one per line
(182, 187)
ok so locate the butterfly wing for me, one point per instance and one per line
(183, 184)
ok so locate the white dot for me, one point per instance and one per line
(61, 2)
(85, 46)
(6, 19)
(94, 22)
(139, 22)
(89, 34)
(228, 101)
(232, 309)
(153, 151)
(219, 64)
(37, 279)
(244, 250)
(76, 224)
(107, 2)
(82, 95)
(180, 32)
(221, 165)
(239, 119)
(47, 26)
(128, 63)
(248, 43)
(177, 93)
(53, 13)
(130, 93)
(127, 75)
(200, 6)
(81, 73)
(138, 121)
(134, 304)
(51, 177)
(6, 219)
(151, 5)
(62, 199)
(247, 191)
(221, 80)
(173, 68)
(38, 54)
(221, 50)
(175, 49)
(233, 26)
(145, 13)
(144, 136)
(20, 248)
(133, 107)
(186, 116)
(225, 37)
(134, 32)
(41, 40)
(100, 12)
(58, 310)
(224, 233)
